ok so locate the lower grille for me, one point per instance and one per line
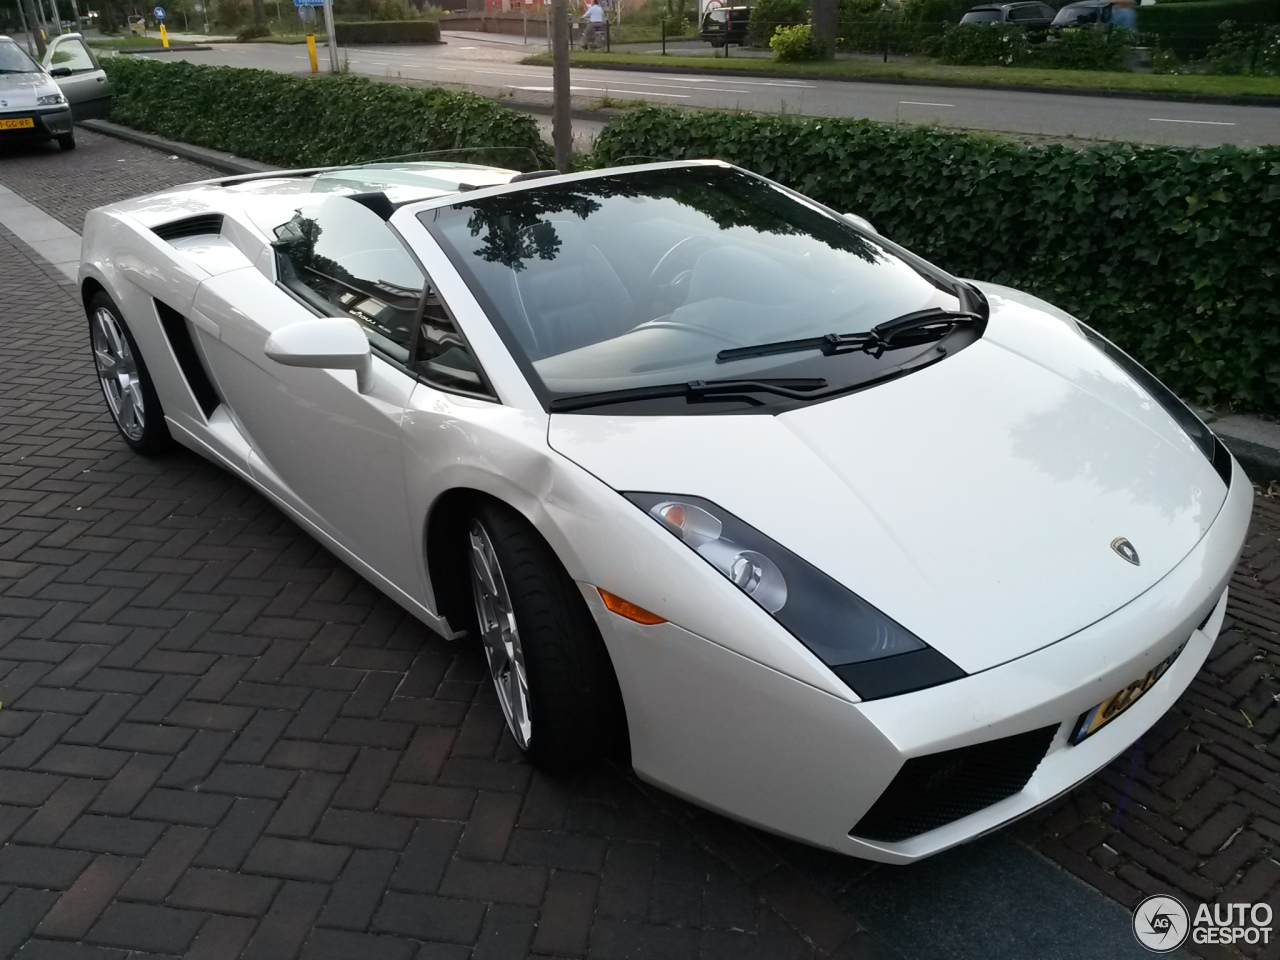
(930, 792)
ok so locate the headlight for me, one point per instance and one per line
(1191, 425)
(873, 654)
(50, 100)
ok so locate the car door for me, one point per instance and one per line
(77, 73)
(320, 443)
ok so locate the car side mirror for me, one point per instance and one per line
(60, 72)
(862, 222)
(333, 343)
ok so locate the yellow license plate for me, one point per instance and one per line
(19, 123)
(1091, 721)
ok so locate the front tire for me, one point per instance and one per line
(126, 384)
(67, 141)
(552, 674)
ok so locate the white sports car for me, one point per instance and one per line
(831, 541)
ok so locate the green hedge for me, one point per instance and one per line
(1170, 251)
(314, 121)
(387, 31)
(1189, 28)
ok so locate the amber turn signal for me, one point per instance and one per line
(625, 608)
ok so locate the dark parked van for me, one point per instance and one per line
(723, 25)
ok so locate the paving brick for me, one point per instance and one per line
(288, 923)
(235, 836)
(359, 889)
(78, 908)
(429, 918)
(496, 882)
(138, 926)
(193, 764)
(118, 835)
(363, 786)
(59, 811)
(27, 789)
(19, 914)
(427, 800)
(257, 738)
(616, 939)
(561, 850)
(83, 761)
(296, 859)
(306, 803)
(222, 938)
(183, 806)
(220, 891)
(341, 945)
(167, 861)
(125, 791)
(41, 866)
(565, 922)
(361, 829)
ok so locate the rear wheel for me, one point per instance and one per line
(126, 384)
(67, 141)
(552, 674)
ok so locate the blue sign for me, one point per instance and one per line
(308, 3)
(159, 13)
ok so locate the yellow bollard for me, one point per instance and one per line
(311, 52)
(164, 37)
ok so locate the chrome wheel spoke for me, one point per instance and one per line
(500, 635)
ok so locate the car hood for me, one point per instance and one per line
(975, 501)
(18, 91)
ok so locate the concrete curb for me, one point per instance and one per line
(226, 162)
(172, 48)
(1251, 101)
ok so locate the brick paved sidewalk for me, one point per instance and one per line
(217, 741)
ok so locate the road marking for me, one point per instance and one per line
(607, 90)
(796, 84)
(924, 103)
(1209, 123)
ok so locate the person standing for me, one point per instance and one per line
(594, 15)
(1123, 15)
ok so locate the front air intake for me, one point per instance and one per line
(204, 224)
(930, 792)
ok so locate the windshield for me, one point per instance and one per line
(13, 59)
(635, 279)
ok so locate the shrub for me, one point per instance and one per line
(252, 32)
(985, 44)
(790, 44)
(299, 121)
(1169, 251)
(1188, 29)
(1252, 50)
(768, 15)
(388, 31)
(1085, 48)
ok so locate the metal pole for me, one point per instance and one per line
(75, 15)
(29, 29)
(561, 123)
(333, 40)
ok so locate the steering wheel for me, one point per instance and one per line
(670, 276)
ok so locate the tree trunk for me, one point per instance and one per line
(260, 13)
(561, 123)
(33, 23)
(825, 13)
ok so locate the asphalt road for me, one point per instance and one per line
(492, 66)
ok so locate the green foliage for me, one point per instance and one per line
(252, 32)
(1007, 45)
(985, 44)
(388, 31)
(1253, 50)
(299, 121)
(790, 44)
(768, 15)
(933, 11)
(1188, 29)
(1168, 251)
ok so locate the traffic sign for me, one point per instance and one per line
(308, 3)
(199, 8)
(159, 13)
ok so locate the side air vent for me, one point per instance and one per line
(184, 351)
(198, 226)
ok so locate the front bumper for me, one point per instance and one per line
(47, 123)
(733, 735)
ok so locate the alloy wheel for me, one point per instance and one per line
(500, 634)
(118, 374)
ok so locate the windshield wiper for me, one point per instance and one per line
(796, 388)
(924, 325)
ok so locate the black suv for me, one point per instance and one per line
(1030, 15)
(724, 25)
